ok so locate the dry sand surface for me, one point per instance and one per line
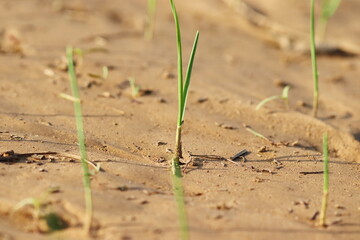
(247, 51)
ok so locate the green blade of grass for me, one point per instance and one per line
(325, 197)
(182, 97)
(188, 75)
(249, 129)
(34, 202)
(284, 96)
(81, 140)
(180, 67)
(105, 72)
(266, 100)
(135, 89)
(150, 21)
(285, 92)
(329, 7)
(313, 60)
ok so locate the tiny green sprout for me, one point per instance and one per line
(81, 139)
(150, 20)
(36, 203)
(183, 89)
(313, 59)
(41, 210)
(257, 134)
(284, 96)
(324, 205)
(135, 88)
(329, 8)
(104, 74)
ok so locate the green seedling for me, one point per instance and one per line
(313, 60)
(41, 211)
(36, 203)
(105, 72)
(183, 86)
(104, 75)
(150, 20)
(183, 89)
(329, 8)
(259, 135)
(325, 197)
(135, 88)
(81, 139)
(284, 96)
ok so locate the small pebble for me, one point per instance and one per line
(263, 149)
(122, 188)
(280, 83)
(162, 100)
(202, 100)
(143, 202)
(301, 103)
(49, 72)
(168, 75)
(161, 143)
(339, 206)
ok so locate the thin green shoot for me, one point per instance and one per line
(259, 135)
(135, 88)
(36, 203)
(183, 89)
(81, 140)
(325, 197)
(329, 8)
(41, 210)
(183, 86)
(313, 60)
(150, 20)
(284, 96)
(104, 74)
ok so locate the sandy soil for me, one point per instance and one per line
(246, 53)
